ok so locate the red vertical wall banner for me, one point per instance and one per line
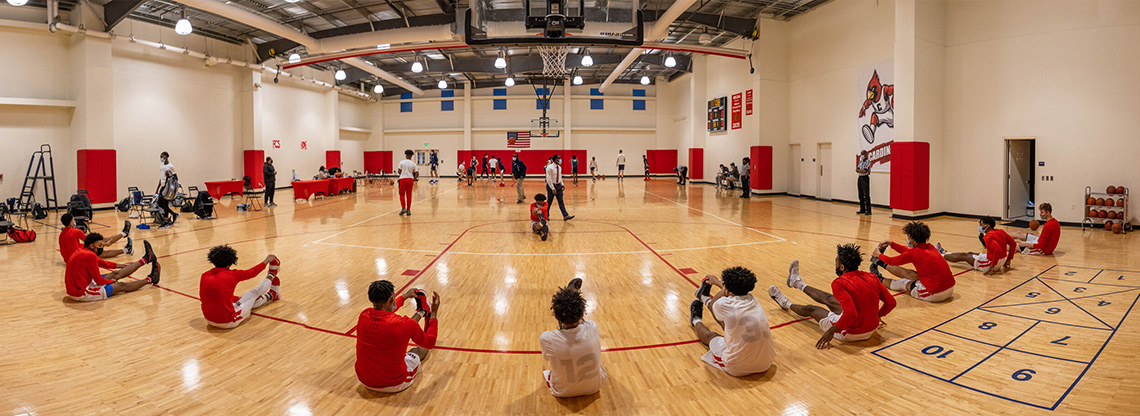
(761, 167)
(696, 163)
(332, 159)
(736, 118)
(97, 175)
(748, 103)
(660, 161)
(910, 175)
(253, 163)
(378, 160)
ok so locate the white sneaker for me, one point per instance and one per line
(794, 280)
(776, 295)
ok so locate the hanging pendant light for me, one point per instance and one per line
(294, 58)
(670, 61)
(510, 82)
(442, 84)
(378, 89)
(577, 80)
(183, 26)
(17, 2)
(644, 80)
(587, 60)
(417, 67)
(340, 75)
(501, 61)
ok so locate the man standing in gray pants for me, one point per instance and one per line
(863, 168)
(518, 171)
(745, 178)
(270, 179)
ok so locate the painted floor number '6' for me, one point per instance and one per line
(1023, 374)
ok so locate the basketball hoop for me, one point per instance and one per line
(553, 60)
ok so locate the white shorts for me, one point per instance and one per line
(830, 321)
(715, 355)
(919, 292)
(1031, 239)
(243, 313)
(413, 363)
(94, 292)
(982, 259)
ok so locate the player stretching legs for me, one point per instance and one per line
(71, 239)
(574, 351)
(746, 347)
(853, 313)
(217, 286)
(383, 361)
(931, 280)
(1044, 244)
(84, 283)
(998, 245)
(540, 216)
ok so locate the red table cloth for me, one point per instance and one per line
(306, 189)
(336, 185)
(219, 189)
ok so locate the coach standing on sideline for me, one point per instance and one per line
(270, 174)
(863, 167)
(518, 171)
(554, 186)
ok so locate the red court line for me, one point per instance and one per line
(788, 323)
(437, 256)
(651, 250)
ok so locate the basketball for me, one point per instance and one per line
(1120, 190)
(1112, 215)
(1034, 224)
(1120, 202)
(1109, 202)
(1118, 228)
(1103, 214)
(1110, 190)
(1100, 201)
(1108, 225)
(1091, 201)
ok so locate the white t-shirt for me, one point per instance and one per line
(553, 174)
(575, 357)
(492, 163)
(407, 169)
(747, 338)
(593, 164)
(621, 158)
(162, 169)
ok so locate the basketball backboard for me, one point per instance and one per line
(569, 22)
(545, 127)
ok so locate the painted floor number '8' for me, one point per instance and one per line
(934, 349)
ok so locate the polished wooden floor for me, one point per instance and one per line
(640, 246)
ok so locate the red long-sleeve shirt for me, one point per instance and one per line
(217, 292)
(859, 293)
(1050, 235)
(70, 239)
(932, 269)
(82, 268)
(545, 212)
(381, 343)
(998, 245)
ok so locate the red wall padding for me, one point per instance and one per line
(254, 161)
(535, 160)
(696, 163)
(910, 175)
(377, 160)
(332, 159)
(660, 161)
(761, 175)
(96, 172)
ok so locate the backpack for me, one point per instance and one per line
(22, 236)
(38, 213)
(80, 206)
(124, 205)
(169, 189)
(187, 206)
(204, 205)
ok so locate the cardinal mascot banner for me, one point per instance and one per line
(877, 113)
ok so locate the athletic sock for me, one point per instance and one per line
(142, 261)
(695, 322)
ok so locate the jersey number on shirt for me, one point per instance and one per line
(585, 368)
(752, 329)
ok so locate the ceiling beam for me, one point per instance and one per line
(117, 10)
(738, 25)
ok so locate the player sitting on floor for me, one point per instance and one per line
(71, 239)
(540, 216)
(84, 283)
(574, 351)
(998, 245)
(383, 361)
(219, 305)
(853, 312)
(1044, 244)
(746, 347)
(931, 279)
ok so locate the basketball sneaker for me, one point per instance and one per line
(704, 291)
(127, 229)
(130, 247)
(155, 273)
(275, 288)
(874, 269)
(776, 295)
(422, 304)
(274, 267)
(940, 249)
(148, 252)
(545, 232)
(794, 280)
(696, 312)
(575, 283)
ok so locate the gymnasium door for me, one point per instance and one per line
(824, 169)
(795, 170)
(1019, 177)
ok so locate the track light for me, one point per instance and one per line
(500, 62)
(378, 89)
(510, 82)
(670, 61)
(417, 67)
(340, 75)
(294, 58)
(182, 27)
(577, 80)
(587, 60)
(17, 2)
(644, 80)
(442, 84)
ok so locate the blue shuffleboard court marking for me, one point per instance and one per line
(1095, 307)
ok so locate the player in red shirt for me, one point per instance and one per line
(219, 305)
(71, 239)
(998, 244)
(853, 312)
(931, 280)
(83, 282)
(383, 361)
(1044, 244)
(539, 216)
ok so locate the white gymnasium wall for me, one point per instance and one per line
(1061, 71)
(827, 46)
(296, 114)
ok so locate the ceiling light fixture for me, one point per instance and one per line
(378, 89)
(500, 62)
(417, 67)
(182, 27)
(577, 80)
(294, 58)
(670, 61)
(384, 46)
(644, 80)
(510, 82)
(586, 59)
(442, 84)
(340, 75)
(17, 2)
(705, 38)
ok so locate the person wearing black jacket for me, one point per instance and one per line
(270, 174)
(518, 171)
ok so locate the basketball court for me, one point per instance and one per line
(1056, 334)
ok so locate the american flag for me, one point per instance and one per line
(518, 139)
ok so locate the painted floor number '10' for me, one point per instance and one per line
(934, 349)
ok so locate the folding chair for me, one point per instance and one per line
(5, 225)
(148, 208)
(136, 198)
(252, 197)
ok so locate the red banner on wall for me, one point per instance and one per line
(736, 111)
(748, 103)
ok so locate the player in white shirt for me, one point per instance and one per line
(493, 166)
(746, 347)
(594, 168)
(574, 351)
(621, 165)
(409, 172)
(554, 185)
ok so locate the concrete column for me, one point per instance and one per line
(567, 143)
(251, 110)
(92, 125)
(468, 110)
(920, 43)
(698, 92)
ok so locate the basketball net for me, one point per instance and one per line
(553, 60)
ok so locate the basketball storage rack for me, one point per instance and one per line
(1119, 207)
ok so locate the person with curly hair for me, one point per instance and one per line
(746, 346)
(931, 279)
(574, 351)
(853, 312)
(84, 283)
(219, 305)
(383, 361)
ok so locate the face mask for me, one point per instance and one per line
(838, 271)
(981, 229)
(908, 243)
